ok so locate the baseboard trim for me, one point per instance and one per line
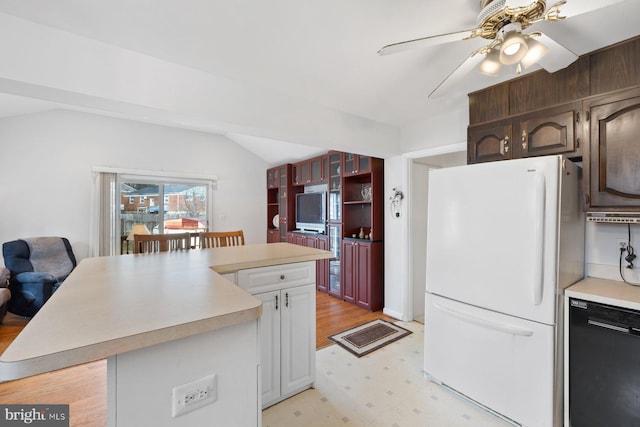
(394, 314)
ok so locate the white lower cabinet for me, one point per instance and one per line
(287, 327)
(287, 342)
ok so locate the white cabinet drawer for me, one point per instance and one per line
(265, 279)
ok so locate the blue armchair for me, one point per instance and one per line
(38, 267)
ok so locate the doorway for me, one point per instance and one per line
(419, 177)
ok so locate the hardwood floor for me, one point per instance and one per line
(84, 387)
(334, 315)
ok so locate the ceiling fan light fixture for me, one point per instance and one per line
(535, 52)
(513, 49)
(490, 65)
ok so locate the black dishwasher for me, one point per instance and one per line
(604, 365)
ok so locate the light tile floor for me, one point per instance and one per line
(384, 388)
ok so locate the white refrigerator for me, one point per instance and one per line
(503, 241)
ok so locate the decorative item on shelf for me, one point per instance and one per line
(354, 235)
(366, 192)
(276, 220)
(371, 234)
(338, 170)
(361, 234)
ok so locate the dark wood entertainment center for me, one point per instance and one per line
(354, 185)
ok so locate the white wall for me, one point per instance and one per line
(396, 267)
(602, 254)
(46, 180)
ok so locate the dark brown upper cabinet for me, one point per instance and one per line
(612, 163)
(489, 142)
(551, 131)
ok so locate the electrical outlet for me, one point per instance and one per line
(194, 395)
(621, 243)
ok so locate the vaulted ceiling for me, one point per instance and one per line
(311, 53)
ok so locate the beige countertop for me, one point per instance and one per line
(606, 291)
(111, 305)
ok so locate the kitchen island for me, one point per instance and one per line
(161, 321)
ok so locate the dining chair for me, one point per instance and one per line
(152, 243)
(217, 239)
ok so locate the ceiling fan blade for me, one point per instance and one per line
(424, 42)
(578, 7)
(457, 75)
(558, 56)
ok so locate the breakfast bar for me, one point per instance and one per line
(174, 329)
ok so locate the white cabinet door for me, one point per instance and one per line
(298, 339)
(287, 327)
(270, 346)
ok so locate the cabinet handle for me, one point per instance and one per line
(286, 299)
(588, 115)
(276, 302)
(525, 140)
(578, 117)
(505, 145)
(282, 277)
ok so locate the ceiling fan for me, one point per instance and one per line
(502, 23)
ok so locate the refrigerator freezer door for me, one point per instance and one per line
(503, 362)
(492, 236)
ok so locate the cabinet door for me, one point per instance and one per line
(299, 239)
(317, 168)
(273, 180)
(486, 143)
(362, 275)
(322, 266)
(298, 339)
(355, 164)
(270, 346)
(303, 176)
(349, 259)
(335, 161)
(273, 236)
(369, 275)
(335, 279)
(614, 153)
(547, 132)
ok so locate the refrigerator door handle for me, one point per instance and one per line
(502, 327)
(538, 240)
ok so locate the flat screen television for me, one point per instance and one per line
(311, 211)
